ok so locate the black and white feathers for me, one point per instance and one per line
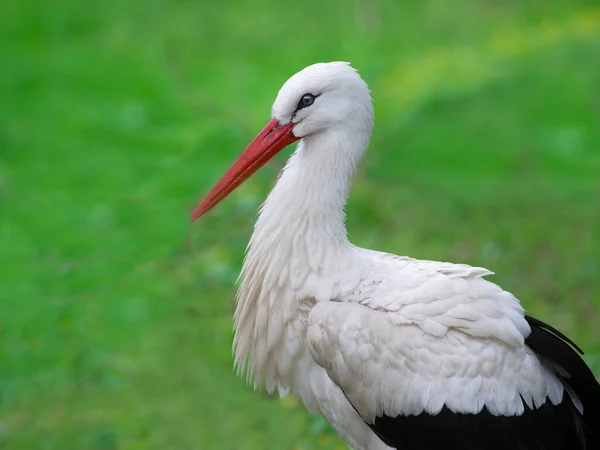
(572, 424)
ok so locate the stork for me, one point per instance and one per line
(394, 352)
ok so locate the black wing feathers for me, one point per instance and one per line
(557, 350)
(540, 429)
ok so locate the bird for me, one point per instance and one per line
(394, 352)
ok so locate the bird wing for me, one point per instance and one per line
(445, 365)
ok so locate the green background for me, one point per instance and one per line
(116, 116)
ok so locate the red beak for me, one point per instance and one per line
(270, 141)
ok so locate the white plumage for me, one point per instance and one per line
(356, 334)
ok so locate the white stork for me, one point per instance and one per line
(394, 352)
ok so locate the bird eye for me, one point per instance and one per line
(306, 100)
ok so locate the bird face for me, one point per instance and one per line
(322, 96)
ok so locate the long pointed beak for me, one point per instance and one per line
(270, 141)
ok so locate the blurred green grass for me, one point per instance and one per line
(115, 313)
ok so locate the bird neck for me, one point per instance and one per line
(297, 251)
(305, 209)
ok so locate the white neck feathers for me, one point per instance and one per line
(298, 244)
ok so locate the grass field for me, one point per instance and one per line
(115, 312)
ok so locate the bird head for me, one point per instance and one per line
(320, 97)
